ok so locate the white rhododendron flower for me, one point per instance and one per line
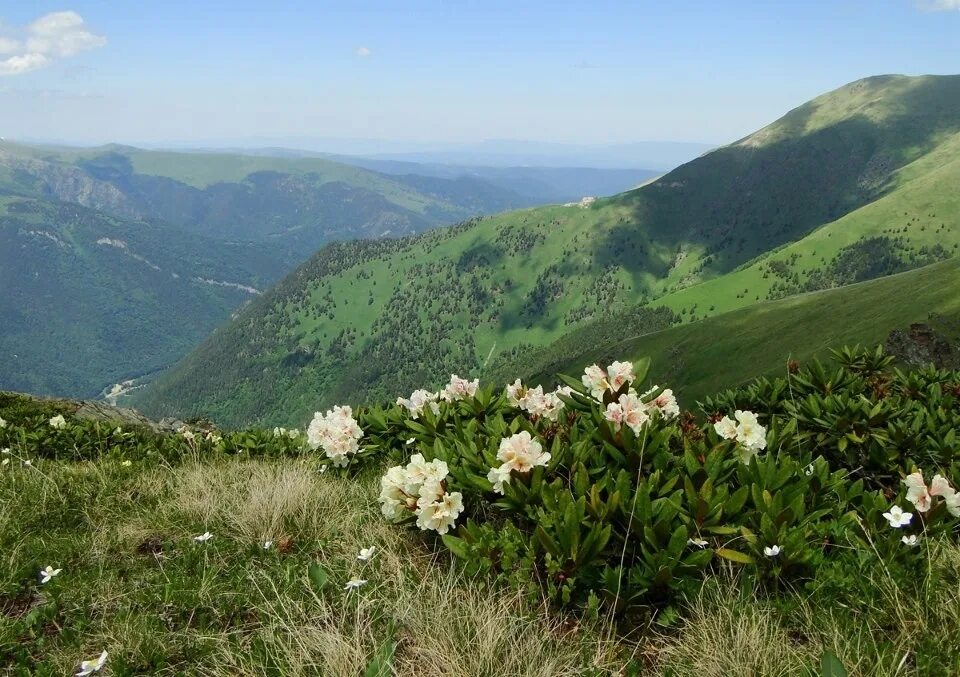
(535, 401)
(441, 514)
(187, 435)
(204, 537)
(92, 666)
(751, 437)
(666, 404)
(772, 551)
(749, 432)
(48, 573)
(366, 554)
(515, 392)
(337, 433)
(417, 401)
(953, 504)
(459, 389)
(910, 540)
(420, 488)
(354, 583)
(619, 374)
(628, 411)
(897, 517)
(279, 432)
(521, 452)
(58, 422)
(499, 476)
(726, 428)
(595, 379)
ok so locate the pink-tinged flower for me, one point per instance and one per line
(666, 404)
(917, 492)
(619, 374)
(630, 411)
(459, 389)
(499, 476)
(515, 392)
(441, 514)
(417, 401)
(595, 379)
(940, 486)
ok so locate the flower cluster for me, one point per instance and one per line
(420, 488)
(535, 401)
(337, 433)
(922, 495)
(292, 433)
(751, 437)
(58, 422)
(518, 452)
(418, 401)
(459, 389)
(612, 379)
(630, 410)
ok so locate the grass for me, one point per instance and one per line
(135, 583)
(726, 350)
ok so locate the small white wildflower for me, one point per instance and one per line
(910, 540)
(3, 424)
(897, 517)
(49, 573)
(28, 462)
(204, 537)
(366, 554)
(808, 470)
(5, 451)
(697, 542)
(58, 422)
(92, 666)
(126, 463)
(323, 469)
(267, 545)
(772, 551)
(354, 583)
(411, 440)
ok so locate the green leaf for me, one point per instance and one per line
(735, 556)
(381, 664)
(318, 577)
(456, 545)
(830, 665)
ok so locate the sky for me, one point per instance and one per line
(445, 71)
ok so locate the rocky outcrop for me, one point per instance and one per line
(921, 345)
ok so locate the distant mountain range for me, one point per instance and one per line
(115, 261)
(857, 184)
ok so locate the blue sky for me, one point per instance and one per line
(451, 71)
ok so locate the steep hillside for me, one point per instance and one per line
(703, 357)
(371, 320)
(299, 203)
(89, 300)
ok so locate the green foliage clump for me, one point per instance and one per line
(631, 519)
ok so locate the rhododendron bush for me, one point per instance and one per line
(602, 491)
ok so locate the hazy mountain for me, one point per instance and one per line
(855, 184)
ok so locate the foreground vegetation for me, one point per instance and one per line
(623, 536)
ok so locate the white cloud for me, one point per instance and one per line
(52, 36)
(8, 45)
(363, 52)
(942, 5)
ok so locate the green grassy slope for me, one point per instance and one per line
(726, 350)
(374, 320)
(89, 300)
